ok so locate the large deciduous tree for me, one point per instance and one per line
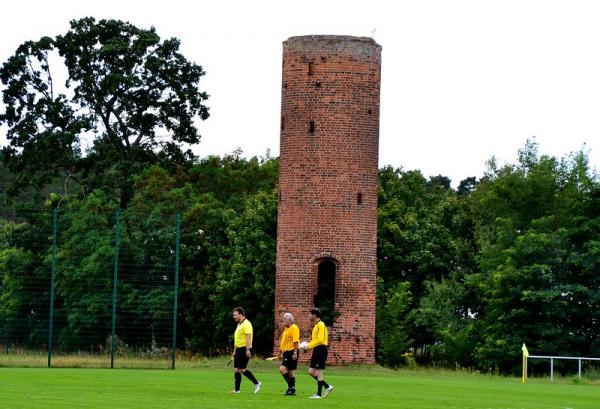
(119, 86)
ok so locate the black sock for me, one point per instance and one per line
(319, 388)
(249, 375)
(325, 384)
(238, 380)
(293, 382)
(286, 377)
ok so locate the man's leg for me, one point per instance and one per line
(316, 377)
(286, 376)
(319, 378)
(328, 387)
(292, 376)
(237, 376)
(253, 379)
(312, 372)
(237, 380)
(250, 376)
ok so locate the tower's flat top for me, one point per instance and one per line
(333, 39)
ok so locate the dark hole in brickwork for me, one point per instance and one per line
(323, 59)
(285, 85)
(311, 68)
(279, 196)
(325, 298)
(282, 124)
(318, 84)
(311, 127)
(369, 112)
(359, 198)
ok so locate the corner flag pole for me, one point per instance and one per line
(525, 355)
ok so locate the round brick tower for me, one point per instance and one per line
(327, 217)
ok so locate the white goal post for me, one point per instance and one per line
(552, 358)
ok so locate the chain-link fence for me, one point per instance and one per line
(88, 287)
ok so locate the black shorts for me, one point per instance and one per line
(240, 360)
(288, 362)
(319, 356)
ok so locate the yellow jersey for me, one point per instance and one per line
(239, 336)
(319, 335)
(288, 337)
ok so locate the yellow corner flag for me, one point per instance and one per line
(525, 355)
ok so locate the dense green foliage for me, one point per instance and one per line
(466, 275)
(513, 259)
(232, 263)
(538, 240)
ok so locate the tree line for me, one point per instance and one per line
(465, 275)
(511, 258)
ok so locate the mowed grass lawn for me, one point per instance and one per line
(355, 387)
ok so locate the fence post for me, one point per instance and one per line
(579, 368)
(551, 369)
(176, 288)
(52, 274)
(114, 292)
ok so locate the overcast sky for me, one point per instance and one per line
(461, 80)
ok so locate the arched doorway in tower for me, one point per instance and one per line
(325, 297)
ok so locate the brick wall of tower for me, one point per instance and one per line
(328, 186)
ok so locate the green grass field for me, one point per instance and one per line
(207, 386)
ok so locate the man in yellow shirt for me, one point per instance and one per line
(290, 339)
(318, 344)
(242, 342)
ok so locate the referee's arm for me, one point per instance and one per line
(248, 345)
